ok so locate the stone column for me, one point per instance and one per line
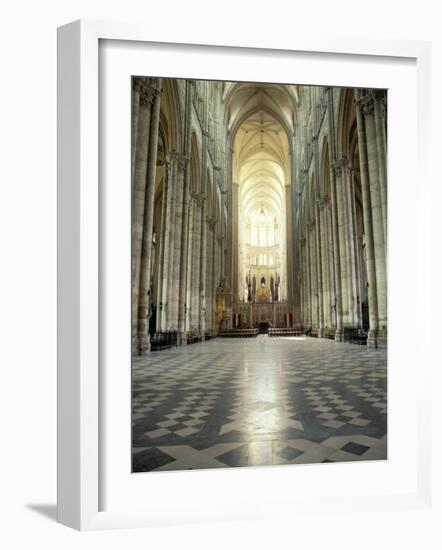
(301, 282)
(203, 258)
(325, 302)
(335, 197)
(337, 259)
(168, 227)
(289, 237)
(222, 251)
(161, 311)
(368, 228)
(176, 237)
(211, 273)
(320, 285)
(182, 306)
(343, 278)
(235, 244)
(177, 223)
(136, 84)
(380, 100)
(377, 218)
(208, 277)
(303, 260)
(230, 250)
(217, 271)
(309, 293)
(190, 275)
(147, 94)
(330, 265)
(296, 238)
(305, 286)
(350, 236)
(314, 278)
(356, 256)
(195, 264)
(146, 253)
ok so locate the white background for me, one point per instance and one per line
(28, 273)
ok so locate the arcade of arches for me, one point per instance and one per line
(258, 206)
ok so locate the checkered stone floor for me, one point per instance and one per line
(258, 402)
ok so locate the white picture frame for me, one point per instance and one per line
(80, 438)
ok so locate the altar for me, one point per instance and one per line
(261, 314)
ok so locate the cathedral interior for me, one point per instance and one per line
(259, 274)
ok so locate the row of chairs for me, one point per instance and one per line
(278, 332)
(192, 337)
(239, 333)
(164, 340)
(355, 335)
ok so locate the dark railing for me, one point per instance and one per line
(355, 335)
(239, 333)
(278, 332)
(164, 340)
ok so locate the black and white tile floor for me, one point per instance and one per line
(227, 403)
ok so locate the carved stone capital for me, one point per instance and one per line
(380, 98)
(196, 197)
(146, 96)
(148, 88)
(320, 202)
(347, 165)
(336, 168)
(343, 165)
(367, 105)
(136, 84)
(177, 160)
(211, 222)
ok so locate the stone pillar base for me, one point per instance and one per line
(181, 339)
(135, 350)
(144, 345)
(372, 340)
(339, 335)
(321, 333)
(377, 339)
(382, 343)
(382, 338)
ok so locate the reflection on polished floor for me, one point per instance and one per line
(258, 402)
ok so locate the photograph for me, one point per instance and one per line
(259, 268)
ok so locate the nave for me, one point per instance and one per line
(257, 206)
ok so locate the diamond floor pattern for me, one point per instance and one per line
(264, 401)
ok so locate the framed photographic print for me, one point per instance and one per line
(231, 278)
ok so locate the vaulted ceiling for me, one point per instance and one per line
(260, 118)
